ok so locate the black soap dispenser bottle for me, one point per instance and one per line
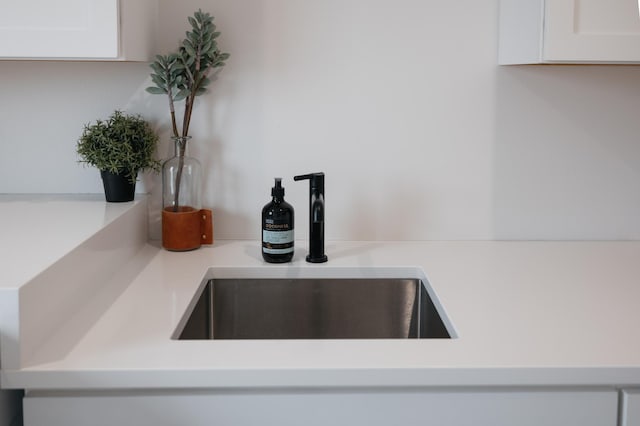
(277, 227)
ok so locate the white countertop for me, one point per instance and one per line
(525, 314)
(37, 230)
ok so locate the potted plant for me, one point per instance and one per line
(182, 76)
(119, 147)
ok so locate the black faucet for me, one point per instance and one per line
(316, 217)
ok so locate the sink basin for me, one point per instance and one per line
(312, 308)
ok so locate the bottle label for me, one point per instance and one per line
(277, 242)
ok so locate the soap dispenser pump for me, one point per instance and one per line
(277, 227)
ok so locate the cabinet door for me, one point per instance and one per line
(569, 31)
(59, 29)
(322, 407)
(592, 31)
(630, 413)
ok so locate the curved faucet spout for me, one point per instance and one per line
(316, 216)
(317, 208)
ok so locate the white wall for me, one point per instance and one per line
(401, 103)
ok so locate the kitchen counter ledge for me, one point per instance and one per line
(524, 313)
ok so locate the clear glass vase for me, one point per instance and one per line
(181, 179)
(185, 224)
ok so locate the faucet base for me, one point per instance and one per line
(322, 259)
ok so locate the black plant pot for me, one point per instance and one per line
(117, 188)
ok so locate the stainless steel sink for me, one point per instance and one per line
(312, 308)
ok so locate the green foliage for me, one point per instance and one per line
(166, 75)
(122, 144)
(183, 75)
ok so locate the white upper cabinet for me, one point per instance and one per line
(118, 30)
(569, 31)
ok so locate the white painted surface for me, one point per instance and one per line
(421, 134)
(350, 407)
(630, 411)
(525, 314)
(61, 257)
(53, 268)
(77, 30)
(37, 231)
(521, 38)
(570, 31)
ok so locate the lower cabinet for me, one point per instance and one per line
(630, 407)
(505, 407)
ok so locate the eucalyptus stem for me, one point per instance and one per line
(187, 115)
(182, 145)
(172, 110)
(183, 76)
(182, 148)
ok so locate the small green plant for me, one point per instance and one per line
(123, 144)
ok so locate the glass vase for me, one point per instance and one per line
(181, 179)
(185, 225)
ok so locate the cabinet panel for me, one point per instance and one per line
(409, 408)
(62, 28)
(630, 413)
(569, 31)
(592, 31)
(77, 29)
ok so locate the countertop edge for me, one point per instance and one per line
(369, 378)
